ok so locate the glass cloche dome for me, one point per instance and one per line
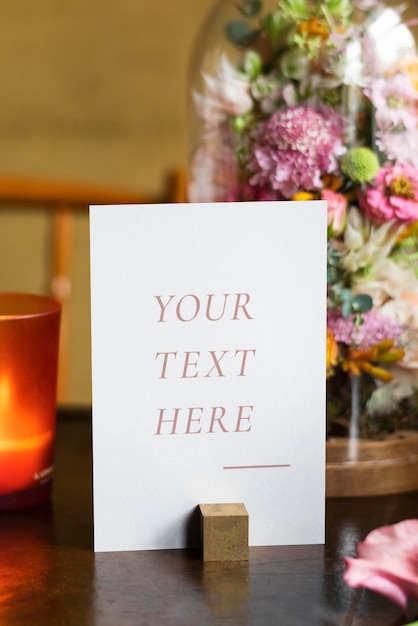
(255, 58)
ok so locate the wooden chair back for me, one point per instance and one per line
(65, 199)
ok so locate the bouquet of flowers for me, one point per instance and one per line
(321, 102)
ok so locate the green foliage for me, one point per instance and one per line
(275, 25)
(240, 33)
(342, 8)
(346, 302)
(312, 45)
(341, 296)
(339, 289)
(406, 252)
(296, 9)
(361, 303)
(252, 64)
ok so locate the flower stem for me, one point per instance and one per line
(355, 418)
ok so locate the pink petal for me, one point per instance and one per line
(387, 588)
(405, 532)
(361, 573)
(388, 562)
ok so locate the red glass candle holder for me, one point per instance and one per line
(29, 339)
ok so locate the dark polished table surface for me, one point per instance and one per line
(49, 574)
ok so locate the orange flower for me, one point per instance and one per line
(332, 353)
(314, 28)
(333, 182)
(357, 362)
(410, 230)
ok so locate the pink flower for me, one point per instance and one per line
(337, 206)
(400, 146)
(294, 148)
(394, 99)
(245, 193)
(387, 562)
(394, 195)
(376, 327)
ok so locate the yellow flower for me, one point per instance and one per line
(303, 195)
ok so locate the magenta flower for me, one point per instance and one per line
(387, 562)
(294, 148)
(394, 195)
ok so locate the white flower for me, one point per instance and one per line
(382, 400)
(226, 93)
(214, 173)
(356, 231)
(367, 244)
(387, 280)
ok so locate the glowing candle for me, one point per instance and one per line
(29, 335)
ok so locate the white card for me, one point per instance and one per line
(208, 357)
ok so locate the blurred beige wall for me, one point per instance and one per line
(92, 91)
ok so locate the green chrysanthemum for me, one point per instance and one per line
(360, 165)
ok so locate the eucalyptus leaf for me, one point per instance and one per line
(362, 303)
(346, 309)
(330, 274)
(334, 256)
(240, 33)
(250, 8)
(345, 296)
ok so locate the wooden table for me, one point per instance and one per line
(50, 576)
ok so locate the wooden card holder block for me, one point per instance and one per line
(224, 532)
